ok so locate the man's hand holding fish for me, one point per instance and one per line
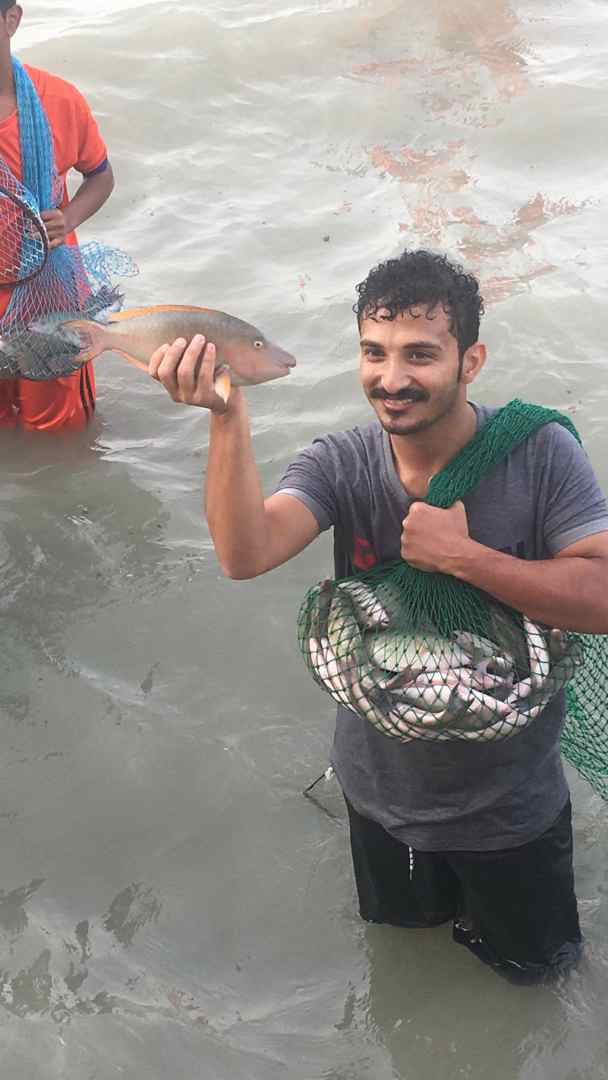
(187, 372)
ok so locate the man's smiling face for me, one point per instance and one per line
(410, 368)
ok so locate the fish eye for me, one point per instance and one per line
(258, 344)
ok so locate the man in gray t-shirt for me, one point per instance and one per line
(483, 795)
(480, 832)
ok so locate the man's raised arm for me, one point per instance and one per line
(251, 534)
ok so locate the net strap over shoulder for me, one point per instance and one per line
(509, 427)
(36, 141)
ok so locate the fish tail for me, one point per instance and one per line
(92, 336)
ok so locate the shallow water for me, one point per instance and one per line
(170, 905)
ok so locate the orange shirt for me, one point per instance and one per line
(76, 138)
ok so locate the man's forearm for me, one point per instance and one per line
(234, 500)
(90, 197)
(567, 593)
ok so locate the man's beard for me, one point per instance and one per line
(405, 426)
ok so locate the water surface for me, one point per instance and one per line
(170, 905)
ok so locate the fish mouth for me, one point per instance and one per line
(249, 367)
(284, 361)
(278, 355)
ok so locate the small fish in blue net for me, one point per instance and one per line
(58, 346)
(46, 351)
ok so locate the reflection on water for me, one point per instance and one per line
(13, 918)
(53, 982)
(129, 911)
(436, 180)
(170, 905)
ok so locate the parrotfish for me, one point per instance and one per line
(244, 356)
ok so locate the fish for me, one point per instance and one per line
(423, 686)
(480, 710)
(362, 704)
(369, 610)
(476, 677)
(376, 678)
(495, 675)
(42, 351)
(418, 724)
(539, 664)
(343, 629)
(434, 698)
(318, 606)
(538, 651)
(394, 682)
(497, 666)
(507, 629)
(244, 355)
(394, 651)
(558, 644)
(483, 651)
(327, 668)
(467, 715)
(565, 668)
(342, 682)
(504, 728)
(478, 647)
(539, 689)
(334, 639)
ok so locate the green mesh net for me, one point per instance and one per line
(585, 736)
(425, 656)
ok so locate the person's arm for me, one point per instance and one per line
(251, 534)
(91, 195)
(569, 591)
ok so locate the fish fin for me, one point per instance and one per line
(112, 300)
(92, 338)
(223, 385)
(132, 313)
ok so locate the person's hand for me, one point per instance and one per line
(431, 537)
(187, 373)
(56, 227)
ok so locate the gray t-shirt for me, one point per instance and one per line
(451, 796)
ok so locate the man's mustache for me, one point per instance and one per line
(401, 395)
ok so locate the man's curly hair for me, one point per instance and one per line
(424, 279)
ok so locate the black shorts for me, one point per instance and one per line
(514, 908)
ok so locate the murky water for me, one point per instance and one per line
(170, 904)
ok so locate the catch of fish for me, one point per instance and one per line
(60, 345)
(420, 685)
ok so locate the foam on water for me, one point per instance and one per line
(170, 905)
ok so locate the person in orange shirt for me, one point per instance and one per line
(65, 403)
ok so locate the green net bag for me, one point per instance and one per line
(425, 656)
(585, 736)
